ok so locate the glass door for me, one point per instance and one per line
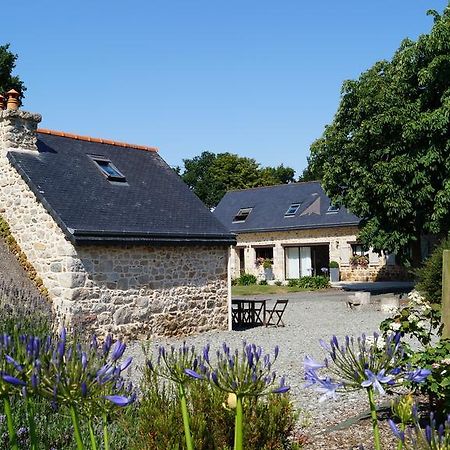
(292, 262)
(305, 262)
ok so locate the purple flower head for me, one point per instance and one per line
(276, 351)
(376, 380)
(107, 344)
(282, 388)
(119, 400)
(327, 388)
(428, 434)
(400, 435)
(193, 374)
(126, 363)
(34, 381)
(13, 380)
(84, 389)
(84, 360)
(119, 348)
(16, 365)
(311, 364)
(206, 353)
(418, 375)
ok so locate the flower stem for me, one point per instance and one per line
(105, 432)
(238, 432)
(31, 424)
(92, 435)
(400, 442)
(373, 413)
(76, 428)
(11, 430)
(185, 414)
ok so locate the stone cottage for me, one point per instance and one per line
(297, 228)
(120, 242)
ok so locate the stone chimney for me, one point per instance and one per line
(17, 127)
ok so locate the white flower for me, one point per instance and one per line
(413, 318)
(421, 324)
(395, 326)
(446, 361)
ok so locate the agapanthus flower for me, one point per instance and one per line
(244, 373)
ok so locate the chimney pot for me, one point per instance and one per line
(13, 99)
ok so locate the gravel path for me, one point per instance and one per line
(309, 317)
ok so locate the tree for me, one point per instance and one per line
(210, 176)
(386, 155)
(7, 65)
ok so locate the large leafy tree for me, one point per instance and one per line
(7, 79)
(386, 155)
(211, 175)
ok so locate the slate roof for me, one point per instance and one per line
(153, 206)
(269, 205)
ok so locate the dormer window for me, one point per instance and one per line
(242, 215)
(108, 169)
(292, 210)
(333, 209)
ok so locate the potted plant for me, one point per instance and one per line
(268, 272)
(334, 271)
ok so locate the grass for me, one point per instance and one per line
(255, 289)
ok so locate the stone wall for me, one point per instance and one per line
(338, 239)
(136, 290)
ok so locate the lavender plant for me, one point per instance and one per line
(242, 374)
(369, 363)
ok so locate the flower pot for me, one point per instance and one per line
(334, 274)
(268, 273)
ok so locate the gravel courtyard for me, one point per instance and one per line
(309, 316)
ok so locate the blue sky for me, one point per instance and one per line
(256, 78)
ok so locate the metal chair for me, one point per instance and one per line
(275, 315)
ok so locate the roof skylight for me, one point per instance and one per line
(292, 209)
(242, 215)
(109, 170)
(333, 209)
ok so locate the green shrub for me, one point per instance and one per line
(333, 265)
(263, 283)
(278, 283)
(312, 283)
(430, 275)
(268, 422)
(246, 279)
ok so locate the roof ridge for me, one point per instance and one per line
(97, 140)
(273, 186)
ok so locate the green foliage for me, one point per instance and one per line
(211, 175)
(430, 275)
(158, 424)
(54, 428)
(246, 279)
(333, 265)
(386, 154)
(263, 283)
(437, 385)
(278, 283)
(7, 65)
(312, 283)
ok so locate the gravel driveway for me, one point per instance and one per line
(309, 316)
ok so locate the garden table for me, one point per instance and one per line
(248, 311)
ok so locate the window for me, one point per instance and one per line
(242, 215)
(292, 210)
(108, 169)
(359, 250)
(264, 252)
(333, 209)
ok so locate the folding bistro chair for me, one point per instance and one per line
(275, 315)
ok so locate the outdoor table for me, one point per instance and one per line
(248, 311)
